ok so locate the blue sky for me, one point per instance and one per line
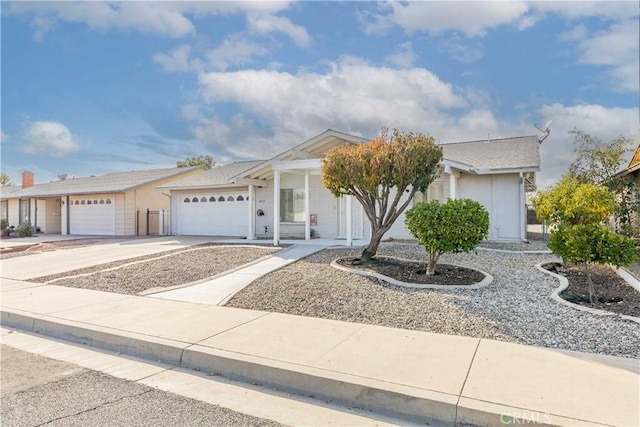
(96, 87)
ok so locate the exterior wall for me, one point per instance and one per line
(120, 218)
(52, 222)
(14, 212)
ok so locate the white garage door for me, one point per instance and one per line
(92, 215)
(215, 214)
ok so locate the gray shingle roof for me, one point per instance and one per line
(6, 191)
(116, 182)
(215, 177)
(507, 153)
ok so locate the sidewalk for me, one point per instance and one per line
(416, 376)
(219, 290)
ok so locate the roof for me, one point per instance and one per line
(496, 155)
(116, 182)
(214, 177)
(6, 190)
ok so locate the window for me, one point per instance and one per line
(203, 200)
(434, 192)
(221, 199)
(212, 199)
(291, 205)
(187, 200)
(77, 202)
(5, 209)
(82, 202)
(108, 201)
(88, 202)
(240, 198)
(194, 200)
(95, 202)
(230, 199)
(102, 201)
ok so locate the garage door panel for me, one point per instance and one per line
(95, 215)
(220, 214)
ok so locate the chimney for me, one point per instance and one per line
(27, 179)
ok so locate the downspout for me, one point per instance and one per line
(523, 211)
(68, 214)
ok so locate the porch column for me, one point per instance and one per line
(348, 221)
(252, 213)
(453, 181)
(523, 210)
(276, 207)
(307, 214)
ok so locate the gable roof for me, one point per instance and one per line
(116, 182)
(214, 177)
(506, 154)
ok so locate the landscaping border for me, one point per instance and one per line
(484, 282)
(564, 284)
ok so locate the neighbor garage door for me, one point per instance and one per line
(215, 214)
(92, 215)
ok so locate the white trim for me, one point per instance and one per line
(296, 164)
(453, 186)
(252, 216)
(523, 211)
(248, 181)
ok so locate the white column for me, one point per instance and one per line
(349, 221)
(276, 207)
(161, 222)
(251, 235)
(307, 213)
(453, 181)
(523, 210)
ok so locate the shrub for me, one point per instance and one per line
(25, 230)
(593, 244)
(4, 223)
(452, 227)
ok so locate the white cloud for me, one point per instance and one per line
(49, 138)
(404, 57)
(266, 23)
(234, 50)
(178, 60)
(164, 18)
(617, 49)
(3, 136)
(459, 51)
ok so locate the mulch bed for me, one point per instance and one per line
(414, 271)
(612, 292)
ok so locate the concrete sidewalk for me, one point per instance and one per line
(415, 376)
(219, 290)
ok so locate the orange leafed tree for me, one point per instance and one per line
(379, 173)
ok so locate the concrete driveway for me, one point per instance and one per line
(45, 263)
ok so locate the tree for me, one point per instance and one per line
(5, 180)
(590, 244)
(379, 173)
(452, 227)
(598, 162)
(206, 161)
(571, 202)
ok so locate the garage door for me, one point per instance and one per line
(215, 214)
(92, 215)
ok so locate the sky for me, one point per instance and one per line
(95, 87)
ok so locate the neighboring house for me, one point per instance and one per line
(5, 193)
(632, 173)
(284, 198)
(112, 204)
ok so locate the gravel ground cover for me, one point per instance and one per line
(164, 271)
(516, 307)
(532, 245)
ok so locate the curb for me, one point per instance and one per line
(484, 282)
(409, 404)
(564, 284)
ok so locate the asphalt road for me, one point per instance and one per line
(36, 391)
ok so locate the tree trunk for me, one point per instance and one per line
(370, 251)
(431, 264)
(590, 282)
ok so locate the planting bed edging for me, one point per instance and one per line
(564, 284)
(486, 281)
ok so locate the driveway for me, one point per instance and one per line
(42, 264)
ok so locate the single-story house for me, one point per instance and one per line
(631, 174)
(283, 197)
(119, 204)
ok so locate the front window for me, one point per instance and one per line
(435, 191)
(291, 205)
(5, 209)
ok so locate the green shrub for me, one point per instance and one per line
(4, 223)
(457, 225)
(25, 230)
(593, 244)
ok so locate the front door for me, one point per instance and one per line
(25, 214)
(357, 219)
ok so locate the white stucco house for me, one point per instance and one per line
(283, 197)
